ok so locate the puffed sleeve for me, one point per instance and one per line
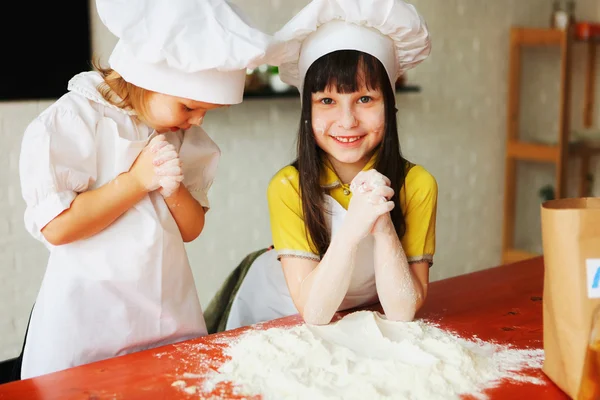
(57, 161)
(420, 216)
(289, 234)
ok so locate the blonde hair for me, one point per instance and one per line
(130, 96)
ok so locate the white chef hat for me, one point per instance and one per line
(390, 30)
(196, 49)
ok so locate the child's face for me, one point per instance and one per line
(348, 126)
(169, 113)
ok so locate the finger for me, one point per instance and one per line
(360, 177)
(156, 146)
(172, 162)
(379, 180)
(376, 199)
(169, 171)
(384, 191)
(383, 208)
(163, 157)
(358, 188)
(358, 183)
(375, 179)
(170, 168)
(366, 181)
(168, 147)
(158, 138)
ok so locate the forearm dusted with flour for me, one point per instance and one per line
(323, 290)
(318, 289)
(400, 291)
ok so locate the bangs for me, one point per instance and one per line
(346, 71)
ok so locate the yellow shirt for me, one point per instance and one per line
(418, 199)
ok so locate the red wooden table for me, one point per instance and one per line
(503, 304)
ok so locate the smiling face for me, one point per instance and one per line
(169, 113)
(350, 104)
(348, 126)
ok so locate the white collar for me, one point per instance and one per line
(86, 84)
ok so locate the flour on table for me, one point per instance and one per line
(364, 356)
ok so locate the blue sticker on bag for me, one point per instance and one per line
(593, 277)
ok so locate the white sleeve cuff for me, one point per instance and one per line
(38, 216)
(201, 196)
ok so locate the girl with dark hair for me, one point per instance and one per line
(353, 222)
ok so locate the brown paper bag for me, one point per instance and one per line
(571, 242)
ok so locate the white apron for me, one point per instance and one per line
(127, 288)
(264, 295)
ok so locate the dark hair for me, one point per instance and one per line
(345, 70)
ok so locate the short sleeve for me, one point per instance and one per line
(200, 158)
(420, 215)
(57, 161)
(285, 210)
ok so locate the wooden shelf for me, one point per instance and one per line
(268, 93)
(510, 256)
(532, 151)
(532, 37)
(559, 153)
(525, 36)
(541, 152)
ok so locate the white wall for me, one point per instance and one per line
(455, 127)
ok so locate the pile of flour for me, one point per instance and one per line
(364, 356)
